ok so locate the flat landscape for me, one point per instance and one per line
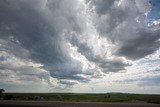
(83, 97)
(79, 100)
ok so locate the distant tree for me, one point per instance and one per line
(107, 96)
(1, 93)
(8, 97)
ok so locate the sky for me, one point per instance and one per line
(80, 46)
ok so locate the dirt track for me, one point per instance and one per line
(71, 104)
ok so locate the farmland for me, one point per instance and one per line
(72, 97)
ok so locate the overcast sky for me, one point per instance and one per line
(80, 46)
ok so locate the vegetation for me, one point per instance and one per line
(109, 97)
(1, 93)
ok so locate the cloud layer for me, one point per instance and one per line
(73, 41)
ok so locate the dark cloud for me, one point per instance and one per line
(144, 45)
(37, 34)
(13, 48)
(2, 58)
(83, 48)
(106, 65)
(124, 23)
(2, 68)
(101, 6)
(68, 76)
(30, 28)
(41, 32)
(113, 66)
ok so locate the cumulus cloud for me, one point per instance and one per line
(35, 30)
(16, 70)
(73, 41)
(125, 24)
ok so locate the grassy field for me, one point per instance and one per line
(109, 97)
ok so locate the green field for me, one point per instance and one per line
(109, 97)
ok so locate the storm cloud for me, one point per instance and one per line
(73, 41)
(126, 25)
